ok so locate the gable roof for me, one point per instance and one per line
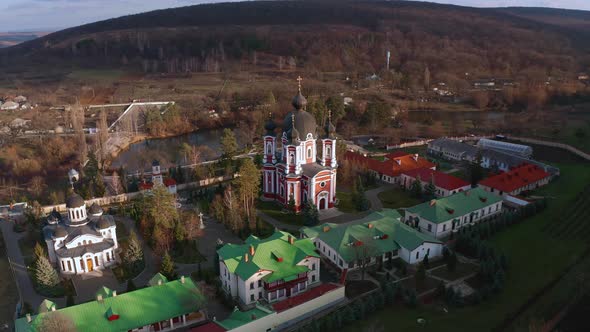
(238, 318)
(441, 180)
(454, 206)
(135, 309)
(380, 232)
(516, 178)
(393, 165)
(275, 254)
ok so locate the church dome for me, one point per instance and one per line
(299, 101)
(74, 201)
(60, 232)
(270, 125)
(104, 222)
(304, 124)
(95, 209)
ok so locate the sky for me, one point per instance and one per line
(27, 15)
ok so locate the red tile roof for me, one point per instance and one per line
(169, 182)
(441, 179)
(209, 327)
(304, 297)
(516, 178)
(393, 166)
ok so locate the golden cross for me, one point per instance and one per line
(299, 79)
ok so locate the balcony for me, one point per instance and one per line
(284, 284)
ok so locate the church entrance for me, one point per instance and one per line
(89, 265)
(322, 204)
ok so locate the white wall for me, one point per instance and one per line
(290, 316)
(443, 229)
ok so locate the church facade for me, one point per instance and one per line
(296, 172)
(83, 241)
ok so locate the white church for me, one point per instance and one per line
(83, 241)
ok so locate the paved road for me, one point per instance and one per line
(17, 263)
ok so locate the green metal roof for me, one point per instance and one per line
(135, 309)
(239, 318)
(379, 232)
(158, 278)
(454, 206)
(274, 254)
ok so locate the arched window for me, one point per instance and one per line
(268, 148)
(309, 153)
(292, 158)
(108, 257)
(328, 150)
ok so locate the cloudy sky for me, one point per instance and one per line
(22, 15)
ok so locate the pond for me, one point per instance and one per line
(168, 151)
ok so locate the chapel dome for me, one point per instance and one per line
(104, 222)
(299, 101)
(74, 201)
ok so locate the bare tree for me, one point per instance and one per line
(103, 134)
(77, 118)
(37, 185)
(116, 185)
(56, 321)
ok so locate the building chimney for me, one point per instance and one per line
(398, 161)
(29, 318)
(246, 257)
(326, 228)
(53, 308)
(252, 250)
(291, 240)
(99, 298)
(416, 157)
(182, 279)
(114, 293)
(433, 202)
(370, 225)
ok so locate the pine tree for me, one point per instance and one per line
(416, 188)
(425, 262)
(291, 204)
(229, 145)
(133, 256)
(311, 214)
(167, 267)
(39, 251)
(45, 274)
(430, 189)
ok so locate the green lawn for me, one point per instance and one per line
(276, 211)
(535, 257)
(462, 270)
(397, 198)
(345, 203)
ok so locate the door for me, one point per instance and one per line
(322, 203)
(89, 264)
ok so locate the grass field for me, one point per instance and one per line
(274, 210)
(8, 291)
(397, 198)
(345, 203)
(535, 258)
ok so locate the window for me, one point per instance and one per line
(69, 266)
(313, 278)
(63, 266)
(328, 150)
(281, 292)
(313, 267)
(340, 262)
(251, 297)
(417, 255)
(251, 285)
(259, 283)
(273, 295)
(429, 227)
(108, 257)
(259, 295)
(444, 227)
(96, 260)
(428, 252)
(322, 184)
(309, 153)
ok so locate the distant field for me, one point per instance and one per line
(96, 74)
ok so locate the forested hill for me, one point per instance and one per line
(324, 35)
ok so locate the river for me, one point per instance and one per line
(140, 155)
